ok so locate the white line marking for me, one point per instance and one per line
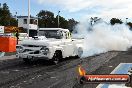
(101, 85)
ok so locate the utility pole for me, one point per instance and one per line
(58, 19)
(16, 15)
(28, 17)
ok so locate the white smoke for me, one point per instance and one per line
(103, 37)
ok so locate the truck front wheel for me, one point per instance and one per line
(57, 56)
(26, 60)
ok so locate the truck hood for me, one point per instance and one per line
(42, 41)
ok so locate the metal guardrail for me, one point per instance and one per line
(2, 54)
(6, 34)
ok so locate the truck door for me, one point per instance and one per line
(68, 45)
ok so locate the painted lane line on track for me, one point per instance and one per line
(101, 85)
(116, 71)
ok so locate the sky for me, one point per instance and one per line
(77, 9)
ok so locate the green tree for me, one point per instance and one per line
(5, 15)
(71, 24)
(6, 18)
(94, 20)
(115, 20)
(129, 24)
(13, 22)
(46, 18)
(63, 23)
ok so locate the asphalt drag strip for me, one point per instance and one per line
(63, 75)
(108, 67)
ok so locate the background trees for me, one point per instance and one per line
(115, 20)
(71, 24)
(47, 19)
(130, 25)
(6, 18)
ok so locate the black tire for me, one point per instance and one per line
(26, 60)
(57, 56)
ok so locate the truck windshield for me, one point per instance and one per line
(50, 34)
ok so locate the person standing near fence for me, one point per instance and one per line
(17, 36)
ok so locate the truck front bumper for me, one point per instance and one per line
(32, 56)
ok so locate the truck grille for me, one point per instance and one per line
(31, 46)
(26, 50)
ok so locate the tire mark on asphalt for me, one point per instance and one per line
(61, 67)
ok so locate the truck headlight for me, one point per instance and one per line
(19, 49)
(44, 49)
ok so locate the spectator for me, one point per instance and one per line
(17, 36)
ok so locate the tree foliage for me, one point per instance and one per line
(45, 19)
(115, 21)
(48, 20)
(6, 18)
(71, 24)
(94, 20)
(129, 24)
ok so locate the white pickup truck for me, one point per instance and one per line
(51, 44)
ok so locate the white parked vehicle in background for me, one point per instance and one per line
(1, 29)
(23, 36)
(51, 44)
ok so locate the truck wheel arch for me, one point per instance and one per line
(57, 56)
(59, 49)
(79, 51)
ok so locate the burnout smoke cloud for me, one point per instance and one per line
(103, 37)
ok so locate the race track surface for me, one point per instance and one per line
(14, 73)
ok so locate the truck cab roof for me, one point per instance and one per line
(66, 30)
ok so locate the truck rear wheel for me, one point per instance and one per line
(57, 56)
(80, 52)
